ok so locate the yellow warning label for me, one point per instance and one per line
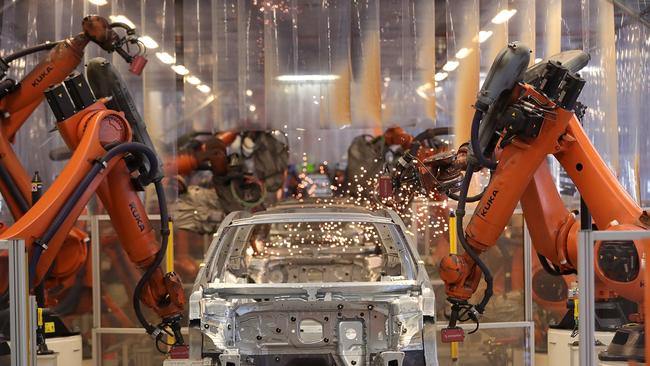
(40, 316)
(49, 327)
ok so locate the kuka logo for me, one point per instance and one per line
(136, 216)
(42, 76)
(488, 204)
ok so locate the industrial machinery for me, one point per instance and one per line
(107, 161)
(521, 118)
(112, 155)
(18, 101)
(308, 283)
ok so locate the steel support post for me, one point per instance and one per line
(18, 309)
(586, 284)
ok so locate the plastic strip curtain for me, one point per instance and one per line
(617, 88)
(462, 79)
(315, 70)
(24, 24)
(161, 105)
(225, 64)
(407, 30)
(550, 18)
(601, 119)
(522, 27)
(632, 66)
(642, 43)
(366, 63)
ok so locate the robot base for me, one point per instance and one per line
(627, 345)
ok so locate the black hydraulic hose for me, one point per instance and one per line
(13, 189)
(68, 206)
(547, 267)
(30, 50)
(474, 198)
(470, 199)
(404, 161)
(553, 271)
(434, 132)
(460, 214)
(164, 231)
(83, 186)
(476, 144)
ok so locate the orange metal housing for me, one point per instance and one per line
(522, 175)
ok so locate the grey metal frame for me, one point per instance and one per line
(22, 351)
(528, 295)
(98, 330)
(587, 240)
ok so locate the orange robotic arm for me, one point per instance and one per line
(101, 141)
(21, 100)
(213, 151)
(532, 122)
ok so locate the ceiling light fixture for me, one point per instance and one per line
(503, 16)
(98, 2)
(193, 80)
(484, 36)
(451, 65)
(121, 19)
(165, 58)
(463, 52)
(424, 90)
(440, 76)
(299, 78)
(148, 42)
(203, 88)
(180, 70)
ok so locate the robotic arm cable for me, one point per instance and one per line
(99, 165)
(460, 214)
(41, 243)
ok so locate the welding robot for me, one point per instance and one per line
(522, 116)
(112, 156)
(17, 102)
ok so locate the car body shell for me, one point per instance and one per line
(389, 321)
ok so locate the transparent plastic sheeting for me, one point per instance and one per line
(24, 24)
(5, 326)
(336, 64)
(633, 70)
(325, 72)
(489, 347)
(30, 22)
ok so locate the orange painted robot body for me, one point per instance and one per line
(18, 103)
(523, 117)
(101, 140)
(523, 175)
(212, 151)
(23, 99)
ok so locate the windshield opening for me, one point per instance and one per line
(313, 252)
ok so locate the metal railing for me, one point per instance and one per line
(21, 315)
(586, 296)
